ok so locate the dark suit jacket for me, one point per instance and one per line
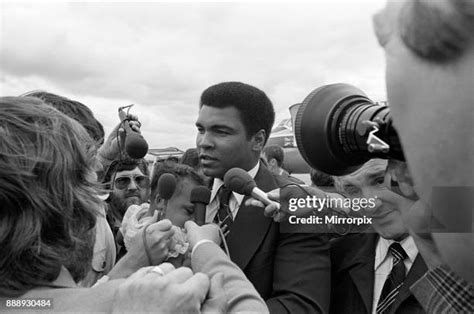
(352, 262)
(290, 271)
(286, 178)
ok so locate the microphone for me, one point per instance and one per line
(166, 188)
(239, 181)
(135, 145)
(200, 197)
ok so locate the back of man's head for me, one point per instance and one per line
(438, 31)
(47, 203)
(73, 109)
(190, 158)
(255, 108)
(274, 152)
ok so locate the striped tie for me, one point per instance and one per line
(224, 214)
(392, 285)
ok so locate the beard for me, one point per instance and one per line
(120, 205)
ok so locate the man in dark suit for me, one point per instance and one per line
(290, 271)
(274, 157)
(372, 272)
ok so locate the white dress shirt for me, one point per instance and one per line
(384, 260)
(234, 201)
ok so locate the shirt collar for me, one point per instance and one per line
(239, 197)
(381, 251)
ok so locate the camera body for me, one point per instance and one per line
(338, 128)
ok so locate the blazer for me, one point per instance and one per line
(291, 271)
(352, 262)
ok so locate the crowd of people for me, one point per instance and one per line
(87, 226)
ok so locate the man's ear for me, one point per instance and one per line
(158, 202)
(259, 140)
(272, 162)
(398, 171)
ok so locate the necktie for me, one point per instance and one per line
(395, 279)
(224, 215)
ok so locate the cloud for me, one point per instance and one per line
(161, 56)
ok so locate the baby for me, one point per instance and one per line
(178, 209)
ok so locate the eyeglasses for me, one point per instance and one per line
(122, 183)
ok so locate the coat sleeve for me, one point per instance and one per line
(241, 295)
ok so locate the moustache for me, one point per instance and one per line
(132, 194)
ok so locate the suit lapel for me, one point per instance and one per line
(361, 269)
(417, 270)
(250, 225)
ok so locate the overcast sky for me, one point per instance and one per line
(161, 56)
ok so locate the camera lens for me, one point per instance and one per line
(332, 127)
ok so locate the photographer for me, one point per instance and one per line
(430, 64)
(429, 69)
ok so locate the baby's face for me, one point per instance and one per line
(180, 209)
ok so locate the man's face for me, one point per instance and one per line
(370, 181)
(130, 187)
(431, 105)
(222, 141)
(179, 208)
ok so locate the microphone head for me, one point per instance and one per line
(166, 186)
(135, 145)
(239, 181)
(200, 194)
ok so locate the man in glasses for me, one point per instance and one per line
(129, 184)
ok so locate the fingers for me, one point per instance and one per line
(164, 225)
(180, 275)
(253, 202)
(165, 268)
(135, 126)
(217, 285)
(155, 216)
(224, 228)
(274, 195)
(190, 225)
(197, 285)
(279, 216)
(271, 210)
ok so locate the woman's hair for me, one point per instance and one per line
(73, 109)
(47, 196)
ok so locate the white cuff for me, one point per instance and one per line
(199, 243)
